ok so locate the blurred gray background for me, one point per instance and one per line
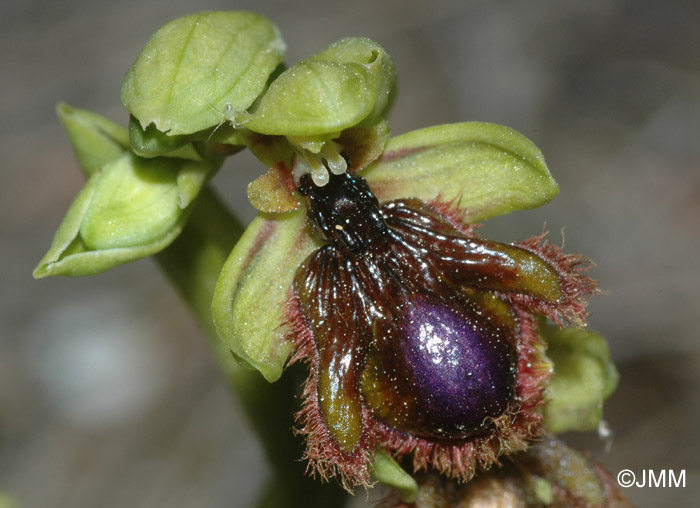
(108, 394)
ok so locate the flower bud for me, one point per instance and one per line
(349, 82)
(198, 66)
(129, 209)
(96, 140)
(365, 51)
(584, 376)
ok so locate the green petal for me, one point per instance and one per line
(253, 289)
(199, 70)
(584, 376)
(388, 472)
(96, 140)
(487, 169)
(314, 98)
(128, 210)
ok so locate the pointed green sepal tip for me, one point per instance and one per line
(251, 294)
(584, 377)
(388, 472)
(96, 140)
(486, 169)
(129, 209)
(199, 70)
(351, 82)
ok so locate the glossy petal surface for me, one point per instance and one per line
(440, 368)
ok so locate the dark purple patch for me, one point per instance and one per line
(441, 369)
(459, 372)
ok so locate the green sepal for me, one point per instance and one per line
(584, 376)
(196, 67)
(486, 169)
(129, 209)
(96, 140)
(253, 288)
(388, 472)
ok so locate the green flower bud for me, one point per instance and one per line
(349, 82)
(129, 209)
(488, 169)
(584, 376)
(198, 66)
(314, 98)
(96, 140)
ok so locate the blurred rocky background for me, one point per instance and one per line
(108, 394)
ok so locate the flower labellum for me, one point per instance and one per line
(420, 336)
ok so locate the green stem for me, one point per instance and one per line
(192, 263)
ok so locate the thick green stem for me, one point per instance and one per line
(192, 263)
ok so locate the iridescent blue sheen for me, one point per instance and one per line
(441, 367)
(457, 371)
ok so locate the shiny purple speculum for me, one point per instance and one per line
(443, 369)
(460, 373)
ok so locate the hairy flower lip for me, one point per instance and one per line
(340, 445)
